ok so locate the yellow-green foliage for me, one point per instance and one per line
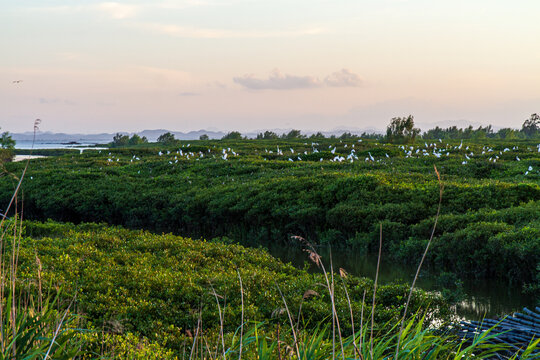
(157, 286)
(122, 346)
(6, 155)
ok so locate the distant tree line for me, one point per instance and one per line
(233, 135)
(400, 130)
(7, 144)
(530, 129)
(297, 134)
(120, 140)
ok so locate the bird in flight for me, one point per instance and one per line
(17, 81)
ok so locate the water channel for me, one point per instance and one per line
(482, 298)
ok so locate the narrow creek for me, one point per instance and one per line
(482, 298)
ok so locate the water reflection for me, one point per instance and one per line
(483, 298)
(26, 157)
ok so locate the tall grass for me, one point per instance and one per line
(29, 329)
(369, 342)
(441, 190)
(411, 338)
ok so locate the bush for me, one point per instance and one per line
(6, 156)
(154, 284)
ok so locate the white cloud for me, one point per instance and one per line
(49, 101)
(57, 101)
(343, 78)
(114, 10)
(61, 9)
(186, 32)
(68, 56)
(280, 81)
(217, 84)
(209, 33)
(165, 73)
(277, 81)
(179, 5)
(122, 11)
(117, 10)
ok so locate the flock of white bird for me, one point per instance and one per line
(435, 149)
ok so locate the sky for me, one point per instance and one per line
(182, 65)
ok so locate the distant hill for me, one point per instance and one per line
(336, 132)
(446, 124)
(102, 138)
(152, 135)
(62, 137)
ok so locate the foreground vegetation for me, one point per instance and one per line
(159, 287)
(146, 296)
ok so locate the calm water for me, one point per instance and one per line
(487, 297)
(26, 157)
(52, 145)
